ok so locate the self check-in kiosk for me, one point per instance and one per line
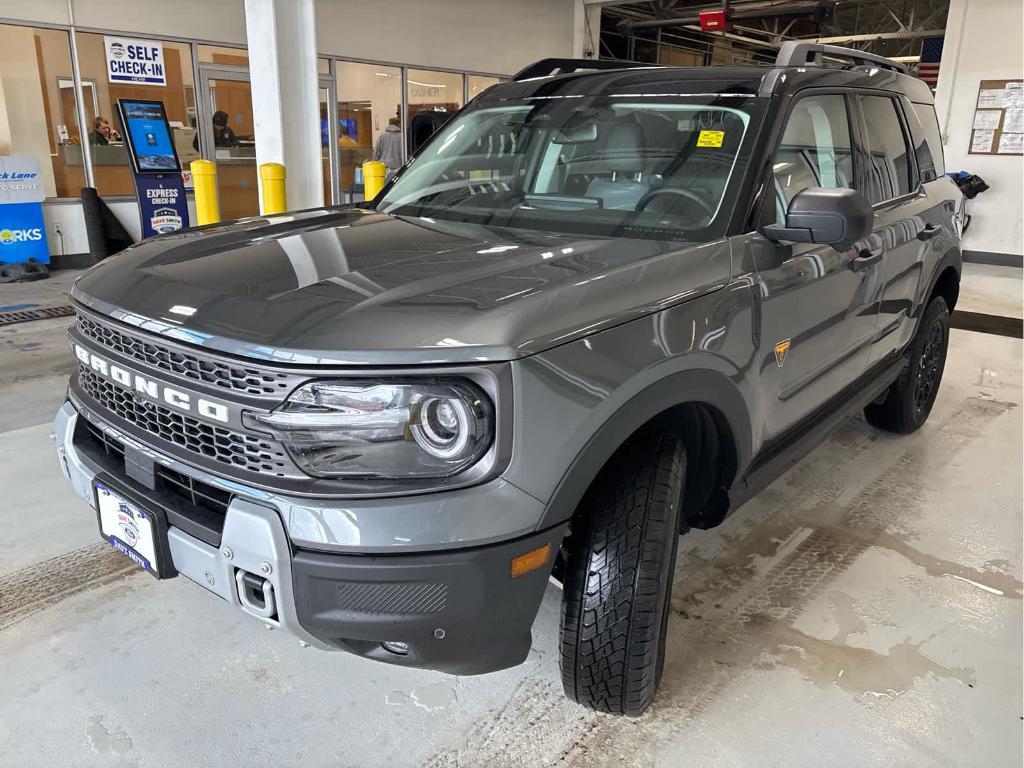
(155, 166)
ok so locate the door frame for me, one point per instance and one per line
(204, 114)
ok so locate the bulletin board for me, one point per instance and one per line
(999, 118)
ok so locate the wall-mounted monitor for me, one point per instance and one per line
(147, 135)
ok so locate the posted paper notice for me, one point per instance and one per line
(1014, 120)
(981, 141)
(987, 119)
(1011, 144)
(990, 98)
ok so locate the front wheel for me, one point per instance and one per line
(910, 399)
(620, 558)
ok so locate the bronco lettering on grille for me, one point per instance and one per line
(153, 389)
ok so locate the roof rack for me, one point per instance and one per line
(795, 53)
(549, 67)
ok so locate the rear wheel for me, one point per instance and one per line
(620, 558)
(910, 399)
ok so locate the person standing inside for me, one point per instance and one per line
(389, 146)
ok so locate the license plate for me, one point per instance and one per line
(130, 529)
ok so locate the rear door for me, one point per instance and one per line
(818, 311)
(904, 219)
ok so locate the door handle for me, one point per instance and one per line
(929, 232)
(866, 259)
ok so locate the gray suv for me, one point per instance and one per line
(602, 305)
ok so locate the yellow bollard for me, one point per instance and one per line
(204, 182)
(274, 199)
(374, 173)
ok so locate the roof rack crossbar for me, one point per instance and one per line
(548, 67)
(795, 53)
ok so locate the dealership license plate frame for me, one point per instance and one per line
(160, 565)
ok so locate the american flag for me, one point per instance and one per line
(931, 56)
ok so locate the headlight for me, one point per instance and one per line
(393, 430)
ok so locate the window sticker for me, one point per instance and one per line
(710, 138)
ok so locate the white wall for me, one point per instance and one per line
(493, 36)
(984, 41)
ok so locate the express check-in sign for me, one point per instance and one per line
(135, 61)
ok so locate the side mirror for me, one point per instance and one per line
(837, 217)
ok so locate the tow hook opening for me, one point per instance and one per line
(256, 594)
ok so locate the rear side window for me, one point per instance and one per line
(928, 144)
(815, 150)
(889, 170)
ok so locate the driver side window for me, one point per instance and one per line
(815, 150)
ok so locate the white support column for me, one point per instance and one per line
(285, 93)
(586, 29)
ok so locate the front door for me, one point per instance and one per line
(229, 139)
(818, 313)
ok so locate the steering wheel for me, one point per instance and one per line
(681, 192)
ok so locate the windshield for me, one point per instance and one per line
(583, 165)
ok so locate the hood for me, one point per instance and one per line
(356, 287)
(393, 128)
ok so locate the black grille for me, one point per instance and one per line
(217, 443)
(192, 505)
(195, 492)
(221, 374)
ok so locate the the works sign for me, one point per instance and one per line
(22, 231)
(135, 61)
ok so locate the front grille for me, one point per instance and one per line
(195, 492)
(218, 443)
(197, 507)
(238, 378)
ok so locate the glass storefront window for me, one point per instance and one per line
(111, 173)
(222, 54)
(433, 98)
(369, 101)
(480, 83)
(38, 114)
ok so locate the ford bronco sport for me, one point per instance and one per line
(597, 309)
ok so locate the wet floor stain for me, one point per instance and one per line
(995, 582)
(106, 741)
(432, 698)
(858, 671)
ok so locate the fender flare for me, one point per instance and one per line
(702, 386)
(951, 258)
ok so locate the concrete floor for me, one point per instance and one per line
(864, 610)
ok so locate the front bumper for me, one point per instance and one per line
(457, 610)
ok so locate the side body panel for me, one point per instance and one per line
(579, 402)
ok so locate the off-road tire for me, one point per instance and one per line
(620, 558)
(910, 399)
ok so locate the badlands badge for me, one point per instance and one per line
(780, 351)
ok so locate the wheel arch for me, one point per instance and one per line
(670, 401)
(945, 281)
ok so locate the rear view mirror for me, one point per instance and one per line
(836, 217)
(580, 133)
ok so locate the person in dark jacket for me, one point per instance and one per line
(223, 136)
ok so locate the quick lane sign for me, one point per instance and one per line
(22, 231)
(135, 61)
